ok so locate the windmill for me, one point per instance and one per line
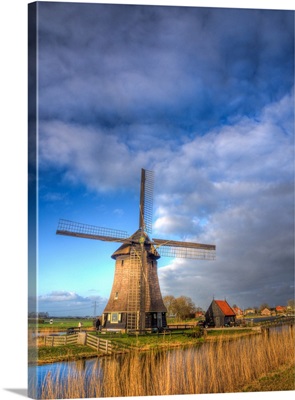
(135, 302)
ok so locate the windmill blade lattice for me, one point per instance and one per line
(70, 228)
(198, 251)
(146, 201)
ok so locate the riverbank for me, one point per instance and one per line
(48, 355)
(41, 354)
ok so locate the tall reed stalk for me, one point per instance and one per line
(220, 367)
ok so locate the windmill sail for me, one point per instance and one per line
(70, 228)
(146, 201)
(172, 248)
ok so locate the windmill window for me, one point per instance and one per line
(114, 318)
(116, 295)
(122, 263)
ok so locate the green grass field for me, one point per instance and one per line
(64, 323)
(61, 324)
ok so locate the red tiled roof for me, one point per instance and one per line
(280, 308)
(224, 307)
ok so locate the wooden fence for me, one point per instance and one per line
(180, 326)
(60, 340)
(97, 343)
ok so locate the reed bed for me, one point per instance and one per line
(220, 367)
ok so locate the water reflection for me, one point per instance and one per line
(61, 371)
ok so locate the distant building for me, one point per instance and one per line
(280, 309)
(199, 314)
(238, 311)
(265, 312)
(249, 311)
(220, 314)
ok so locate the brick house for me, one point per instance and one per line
(220, 314)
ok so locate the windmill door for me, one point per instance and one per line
(159, 320)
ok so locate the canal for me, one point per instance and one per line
(178, 371)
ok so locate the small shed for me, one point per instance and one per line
(220, 314)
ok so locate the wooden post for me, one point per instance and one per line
(107, 342)
(98, 343)
(82, 338)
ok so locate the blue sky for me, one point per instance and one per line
(202, 96)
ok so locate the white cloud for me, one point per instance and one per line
(67, 303)
(249, 207)
(60, 296)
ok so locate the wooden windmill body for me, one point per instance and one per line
(135, 302)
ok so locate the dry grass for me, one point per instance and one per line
(217, 367)
(282, 379)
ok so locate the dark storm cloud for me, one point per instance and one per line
(147, 78)
(119, 65)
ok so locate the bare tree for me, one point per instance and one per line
(169, 302)
(291, 304)
(184, 307)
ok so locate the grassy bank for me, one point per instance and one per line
(43, 354)
(60, 353)
(281, 379)
(216, 367)
(184, 338)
